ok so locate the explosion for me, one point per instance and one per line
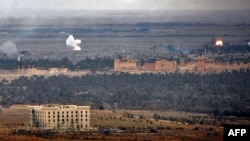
(219, 43)
(8, 48)
(73, 43)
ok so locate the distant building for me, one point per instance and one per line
(60, 117)
(164, 65)
(58, 70)
(148, 66)
(201, 64)
(130, 64)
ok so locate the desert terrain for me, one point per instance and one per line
(108, 34)
(131, 125)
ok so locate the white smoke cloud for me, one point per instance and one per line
(8, 48)
(73, 43)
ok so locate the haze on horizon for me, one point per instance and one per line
(24, 7)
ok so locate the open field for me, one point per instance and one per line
(109, 43)
(110, 33)
(133, 125)
(128, 124)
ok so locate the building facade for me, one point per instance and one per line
(130, 64)
(201, 65)
(164, 65)
(60, 117)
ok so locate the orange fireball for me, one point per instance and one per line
(219, 43)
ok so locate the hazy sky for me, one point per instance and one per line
(11, 5)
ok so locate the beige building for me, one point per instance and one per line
(201, 65)
(164, 65)
(60, 117)
(130, 64)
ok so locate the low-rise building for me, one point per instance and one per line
(60, 117)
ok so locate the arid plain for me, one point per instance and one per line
(146, 34)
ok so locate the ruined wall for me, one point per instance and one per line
(35, 71)
(116, 64)
(190, 66)
(131, 64)
(164, 65)
(58, 70)
(170, 66)
(222, 66)
(201, 66)
(148, 67)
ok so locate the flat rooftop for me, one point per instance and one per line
(57, 106)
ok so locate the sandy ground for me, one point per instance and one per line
(109, 33)
(172, 131)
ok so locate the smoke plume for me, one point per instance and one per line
(8, 48)
(73, 43)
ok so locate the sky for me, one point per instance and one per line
(11, 5)
(31, 8)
